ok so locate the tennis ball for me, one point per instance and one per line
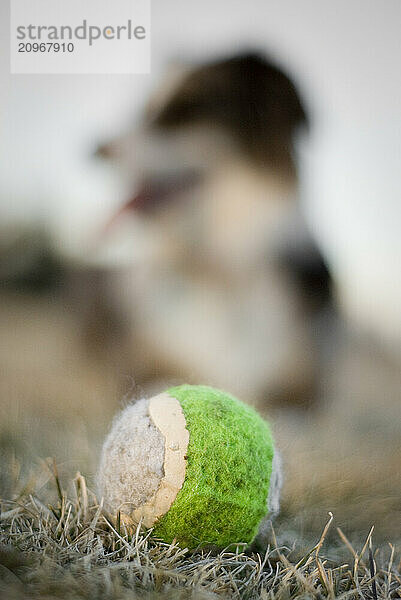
(194, 463)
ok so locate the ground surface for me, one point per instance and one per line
(70, 550)
(56, 404)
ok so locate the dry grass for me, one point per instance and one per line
(69, 549)
(56, 543)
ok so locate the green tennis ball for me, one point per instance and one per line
(194, 463)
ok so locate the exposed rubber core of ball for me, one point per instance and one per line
(167, 415)
(229, 461)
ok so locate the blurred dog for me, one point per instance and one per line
(227, 294)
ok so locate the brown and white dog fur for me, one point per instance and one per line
(226, 293)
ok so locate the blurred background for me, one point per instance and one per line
(233, 219)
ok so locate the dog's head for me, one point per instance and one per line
(249, 99)
(211, 165)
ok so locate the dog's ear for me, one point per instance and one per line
(248, 96)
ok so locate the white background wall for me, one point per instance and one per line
(345, 55)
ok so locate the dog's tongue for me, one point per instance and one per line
(153, 195)
(140, 202)
(137, 203)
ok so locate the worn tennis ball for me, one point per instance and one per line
(194, 463)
